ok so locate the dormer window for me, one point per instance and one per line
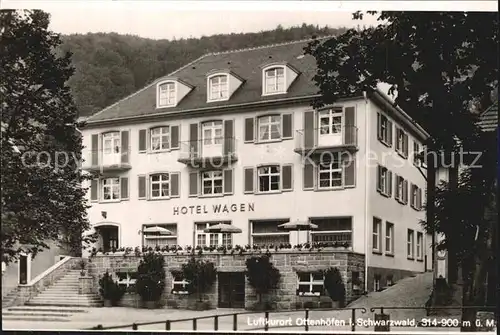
(218, 87)
(167, 94)
(274, 80)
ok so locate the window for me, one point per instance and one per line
(410, 244)
(212, 133)
(179, 285)
(310, 283)
(212, 182)
(389, 238)
(384, 131)
(420, 240)
(330, 174)
(154, 240)
(269, 128)
(268, 178)
(274, 80)
(110, 189)
(166, 94)
(160, 138)
(160, 185)
(330, 121)
(333, 230)
(416, 152)
(377, 234)
(376, 283)
(390, 280)
(212, 239)
(384, 181)
(266, 233)
(401, 190)
(218, 88)
(127, 280)
(111, 143)
(416, 197)
(401, 142)
(356, 281)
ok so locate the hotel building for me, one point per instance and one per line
(231, 137)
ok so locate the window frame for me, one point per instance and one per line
(269, 175)
(115, 135)
(330, 171)
(383, 131)
(128, 282)
(389, 227)
(330, 114)
(377, 222)
(410, 244)
(160, 182)
(376, 283)
(213, 179)
(416, 152)
(160, 136)
(384, 182)
(158, 94)
(208, 237)
(319, 232)
(277, 233)
(414, 203)
(269, 126)
(312, 282)
(159, 237)
(276, 77)
(401, 146)
(210, 84)
(184, 283)
(102, 187)
(419, 246)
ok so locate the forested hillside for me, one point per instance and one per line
(109, 67)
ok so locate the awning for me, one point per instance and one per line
(223, 228)
(298, 225)
(156, 231)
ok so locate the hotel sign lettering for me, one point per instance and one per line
(216, 209)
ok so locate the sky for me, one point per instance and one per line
(184, 19)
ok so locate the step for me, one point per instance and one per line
(65, 304)
(32, 318)
(47, 309)
(61, 289)
(66, 297)
(62, 300)
(22, 313)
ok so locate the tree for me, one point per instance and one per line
(151, 277)
(262, 275)
(334, 285)
(42, 197)
(437, 63)
(200, 274)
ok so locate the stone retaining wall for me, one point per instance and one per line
(288, 263)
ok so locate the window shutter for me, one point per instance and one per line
(389, 133)
(419, 199)
(389, 183)
(193, 144)
(125, 147)
(174, 137)
(94, 190)
(228, 181)
(309, 133)
(379, 178)
(95, 149)
(228, 137)
(405, 191)
(308, 182)
(287, 178)
(142, 187)
(142, 140)
(249, 180)
(405, 145)
(249, 129)
(412, 200)
(287, 125)
(350, 172)
(396, 188)
(350, 123)
(174, 184)
(379, 126)
(124, 188)
(193, 184)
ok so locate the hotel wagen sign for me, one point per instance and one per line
(213, 209)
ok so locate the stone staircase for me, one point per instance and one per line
(10, 298)
(64, 292)
(35, 313)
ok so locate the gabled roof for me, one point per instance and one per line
(488, 120)
(247, 63)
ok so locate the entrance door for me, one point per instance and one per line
(111, 148)
(23, 269)
(330, 127)
(212, 139)
(109, 238)
(231, 290)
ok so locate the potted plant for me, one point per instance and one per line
(151, 279)
(82, 268)
(263, 277)
(335, 286)
(200, 276)
(109, 290)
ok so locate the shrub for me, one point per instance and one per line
(334, 285)
(151, 277)
(109, 289)
(200, 276)
(262, 275)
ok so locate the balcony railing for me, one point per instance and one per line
(316, 139)
(104, 160)
(213, 151)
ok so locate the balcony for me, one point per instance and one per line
(315, 141)
(105, 161)
(208, 153)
